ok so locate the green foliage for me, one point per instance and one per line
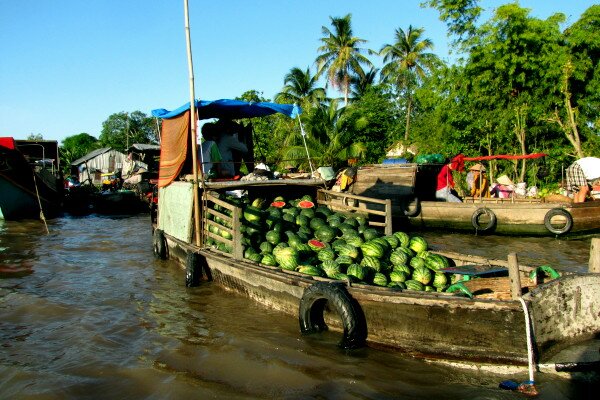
(76, 146)
(123, 129)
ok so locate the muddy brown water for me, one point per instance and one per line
(87, 312)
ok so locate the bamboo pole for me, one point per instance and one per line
(594, 266)
(513, 274)
(193, 138)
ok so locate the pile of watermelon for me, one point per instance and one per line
(299, 236)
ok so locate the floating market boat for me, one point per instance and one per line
(29, 183)
(352, 274)
(411, 188)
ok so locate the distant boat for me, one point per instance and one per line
(30, 187)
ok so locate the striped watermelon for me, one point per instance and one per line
(417, 243)
(380, 279)
(372, 249)
(371, 262)
(414, 285)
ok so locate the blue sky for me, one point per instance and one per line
(67, 65)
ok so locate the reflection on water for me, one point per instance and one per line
(87, 312)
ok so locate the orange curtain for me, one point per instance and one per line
(173, 147)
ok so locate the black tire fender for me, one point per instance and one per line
(321, 294)
(159, 244)
(475, 219)
(558, 212)
(416, 211)
(193, 271)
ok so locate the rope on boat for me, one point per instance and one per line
(527, 387)
(529, 344)
(37, 193)
(305, 146)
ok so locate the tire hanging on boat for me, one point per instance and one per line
(414, 212)
(478, 214)
(193, 272)
(312, 305)
(556, 212)
(159, 244)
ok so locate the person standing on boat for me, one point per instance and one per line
(579, 173)
(228, 143)
(445, 182)
(211, 156)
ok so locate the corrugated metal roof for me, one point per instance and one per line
(91, 155)
(144, 147)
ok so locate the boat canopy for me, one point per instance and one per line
(231, 109)
(175, 132)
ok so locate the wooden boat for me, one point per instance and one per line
(411, 188)
(510, 320)
(29, 185)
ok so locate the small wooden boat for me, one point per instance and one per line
(411, 188)
(511, 317)
(29, 184)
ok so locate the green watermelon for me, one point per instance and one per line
(435, 262)
(302, 220)
(326, 254)
(273, 237)
(347, 250)
(356, 271)
(422, 275)
(402, 268)
(248, 252)
(344, 260)
(268, 259)
(403, 238)
(266, 248)
(331, 268)
(325, 233)
(371, 262)
(414, 285)
(372, 249)
(417, 244)
(392, 240)
(370, 233)
(287, 258)
(310, 270)
(316, 222)
(256, 257)
(353, 240)
(398, 258)
(308, 213)
(440, 280)
(380, 279)
(398, 276)
(417, 262)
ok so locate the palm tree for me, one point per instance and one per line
(361, 82)
(327, 142)
(407, 63)
(340, 55)
(300, 88)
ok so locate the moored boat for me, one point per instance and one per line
(506, 316)
(411, 188)
(29, 183)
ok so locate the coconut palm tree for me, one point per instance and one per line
(300, 88)
(361, 82)
(340, 55)
(327, 142)
(407, 62)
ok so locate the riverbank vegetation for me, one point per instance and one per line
(517, 84)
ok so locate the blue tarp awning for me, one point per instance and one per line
(231, 109)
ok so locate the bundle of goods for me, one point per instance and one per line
(314, 240)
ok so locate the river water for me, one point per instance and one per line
(87, 312)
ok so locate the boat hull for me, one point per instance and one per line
(411, 191)
(428, 325)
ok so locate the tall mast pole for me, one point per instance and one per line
(192, 123)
